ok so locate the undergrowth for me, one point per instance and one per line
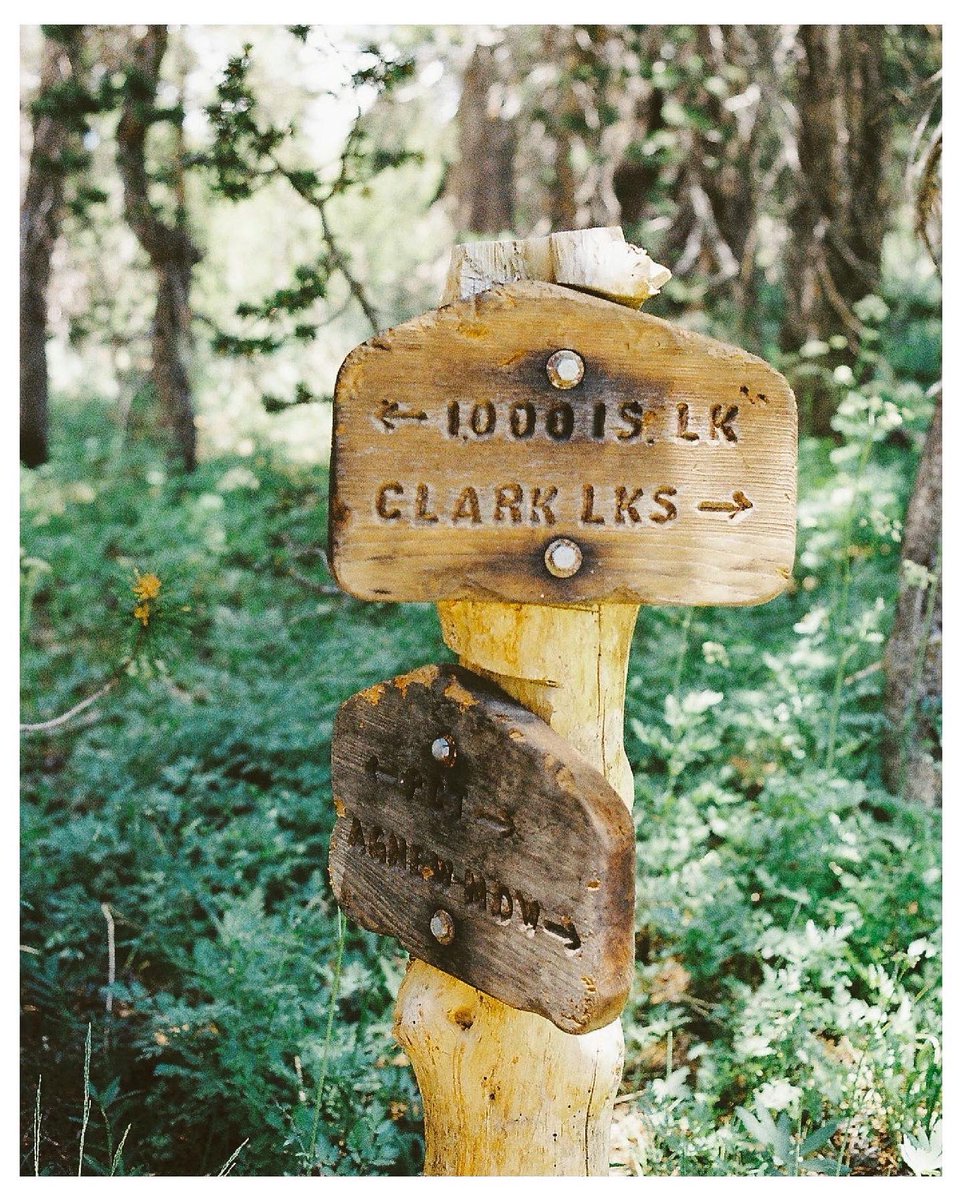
(177, 919)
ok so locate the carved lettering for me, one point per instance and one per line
(517, 503)
(495, 898)
(566, 931)
(522, 419)
(626, 504)
(483, 418)
(560, 421)
(588, 515)
(686, 434)
(508, 497)
(467, 507)
(501, 906)
(421, 503)
(375, 844)
(634, 413)
(381, 503)
(722, 424)
(670, 511)
(598, 421)
(396, 850)
(529, 910)
(541, 505)
(475, 889)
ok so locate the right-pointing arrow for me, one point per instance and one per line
(738, 503)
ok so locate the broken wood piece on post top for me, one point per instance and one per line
(599, 261)
(490, 848)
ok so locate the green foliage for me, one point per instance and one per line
(789, 911)
(198, 807)
(788, 919)
(249, 151)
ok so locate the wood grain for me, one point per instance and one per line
(507, 1092)
(457, 463)
(514, 843)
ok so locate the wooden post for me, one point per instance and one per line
(462, 473)
(506, 1092)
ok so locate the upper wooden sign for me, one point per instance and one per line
(537, 445)
(473, 833)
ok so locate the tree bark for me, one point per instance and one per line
(169, 247)
(483, 181)
(868, 126)
(635, 176)
(834, 252)
(913, 658)
(561, 48)
(54, 136)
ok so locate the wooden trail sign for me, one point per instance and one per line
(506, 1092)
(478, 837)
(537, 445)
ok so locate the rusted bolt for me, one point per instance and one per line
(565, 369)
(563, 558)
(442, 927)
(443, 751)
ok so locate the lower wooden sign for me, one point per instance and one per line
(475, 835)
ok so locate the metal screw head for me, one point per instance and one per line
(563, 558)
(442, 927)
(566, 369)
(443, 751)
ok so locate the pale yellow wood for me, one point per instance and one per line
(505, 1092)
(611, 267)
(593, 260)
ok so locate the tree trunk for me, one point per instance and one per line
(483, 181)
(561, 48)
(834, 252)
(635, 175)
(54, 136)
(913, 659)
(169, 247)
(868, 123)
(714, 225)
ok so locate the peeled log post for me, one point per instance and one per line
(506, 1092)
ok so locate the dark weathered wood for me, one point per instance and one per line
(458, 462)
(514, 846)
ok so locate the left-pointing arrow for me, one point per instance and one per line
(391, 413)
(738, 503)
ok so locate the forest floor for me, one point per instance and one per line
(179, 933)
